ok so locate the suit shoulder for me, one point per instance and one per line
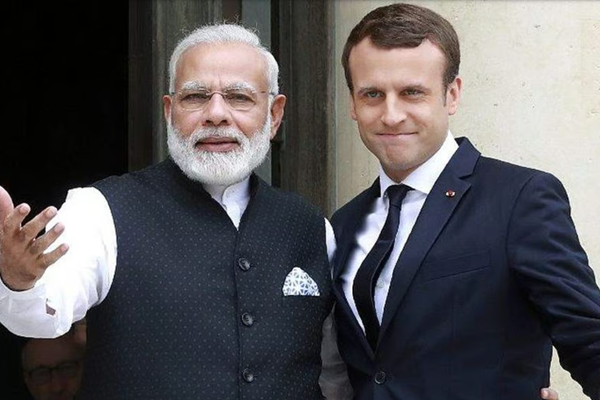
(351, 209)
(130, 176)
(515, 179)
(505, 171)
(289, 197)
(158, 177)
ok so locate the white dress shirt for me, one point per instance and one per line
(421, 180)
(83, 276)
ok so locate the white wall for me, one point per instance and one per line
(531, 95)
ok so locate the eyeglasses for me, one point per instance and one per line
(42, 375)
(237, 99)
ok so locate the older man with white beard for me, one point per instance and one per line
(219, 168)
(197, 279)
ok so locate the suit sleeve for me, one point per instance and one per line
(553, 269)
(334, 381)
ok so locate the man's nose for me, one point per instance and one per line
(393, 112)
(217, 112)
(57, 384)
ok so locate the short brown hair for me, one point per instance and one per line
(405, 25)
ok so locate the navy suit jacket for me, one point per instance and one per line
(489, 279)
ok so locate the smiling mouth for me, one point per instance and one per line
(217, 144)
(396, 133)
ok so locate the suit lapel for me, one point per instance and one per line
(347, 242)
(441, 202)
(346, 245)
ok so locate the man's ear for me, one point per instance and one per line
(453, 95)
(167, 105)
(352, 107)
(277, 111)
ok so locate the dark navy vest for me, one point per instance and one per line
(196, 309)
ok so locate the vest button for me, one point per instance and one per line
(244, 264)
(247, 375)
(247, 319)
(380, 377)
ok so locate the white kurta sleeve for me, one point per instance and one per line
(74, 283)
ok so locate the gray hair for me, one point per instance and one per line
(225, 33)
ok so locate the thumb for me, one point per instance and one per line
(549, 394)
(6, 204)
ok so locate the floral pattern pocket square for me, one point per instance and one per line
(299, 283)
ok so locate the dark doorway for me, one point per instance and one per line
(66, 119)
(68, 85)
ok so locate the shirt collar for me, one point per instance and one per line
(423, 178)
(238, 192)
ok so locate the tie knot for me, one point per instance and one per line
(396, 193)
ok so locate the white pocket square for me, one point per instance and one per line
(299, 283)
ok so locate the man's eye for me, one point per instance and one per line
(67, 369)
(195, 96)
(40, 373)
(372, 94)
(237, 97)
(413, 92)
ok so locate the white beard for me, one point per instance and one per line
(219, 168)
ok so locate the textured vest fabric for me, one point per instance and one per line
(196, 309)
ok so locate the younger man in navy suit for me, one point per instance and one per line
(486, 272)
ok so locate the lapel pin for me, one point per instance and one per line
(450, 193)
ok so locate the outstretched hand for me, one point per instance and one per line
(22, 258)
(549, 394)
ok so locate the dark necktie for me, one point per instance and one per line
(366, 277)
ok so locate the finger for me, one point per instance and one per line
(51, 257)
(31, 229)
(42, 243)
(549, 394)
(12, 221)
(6, 204)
